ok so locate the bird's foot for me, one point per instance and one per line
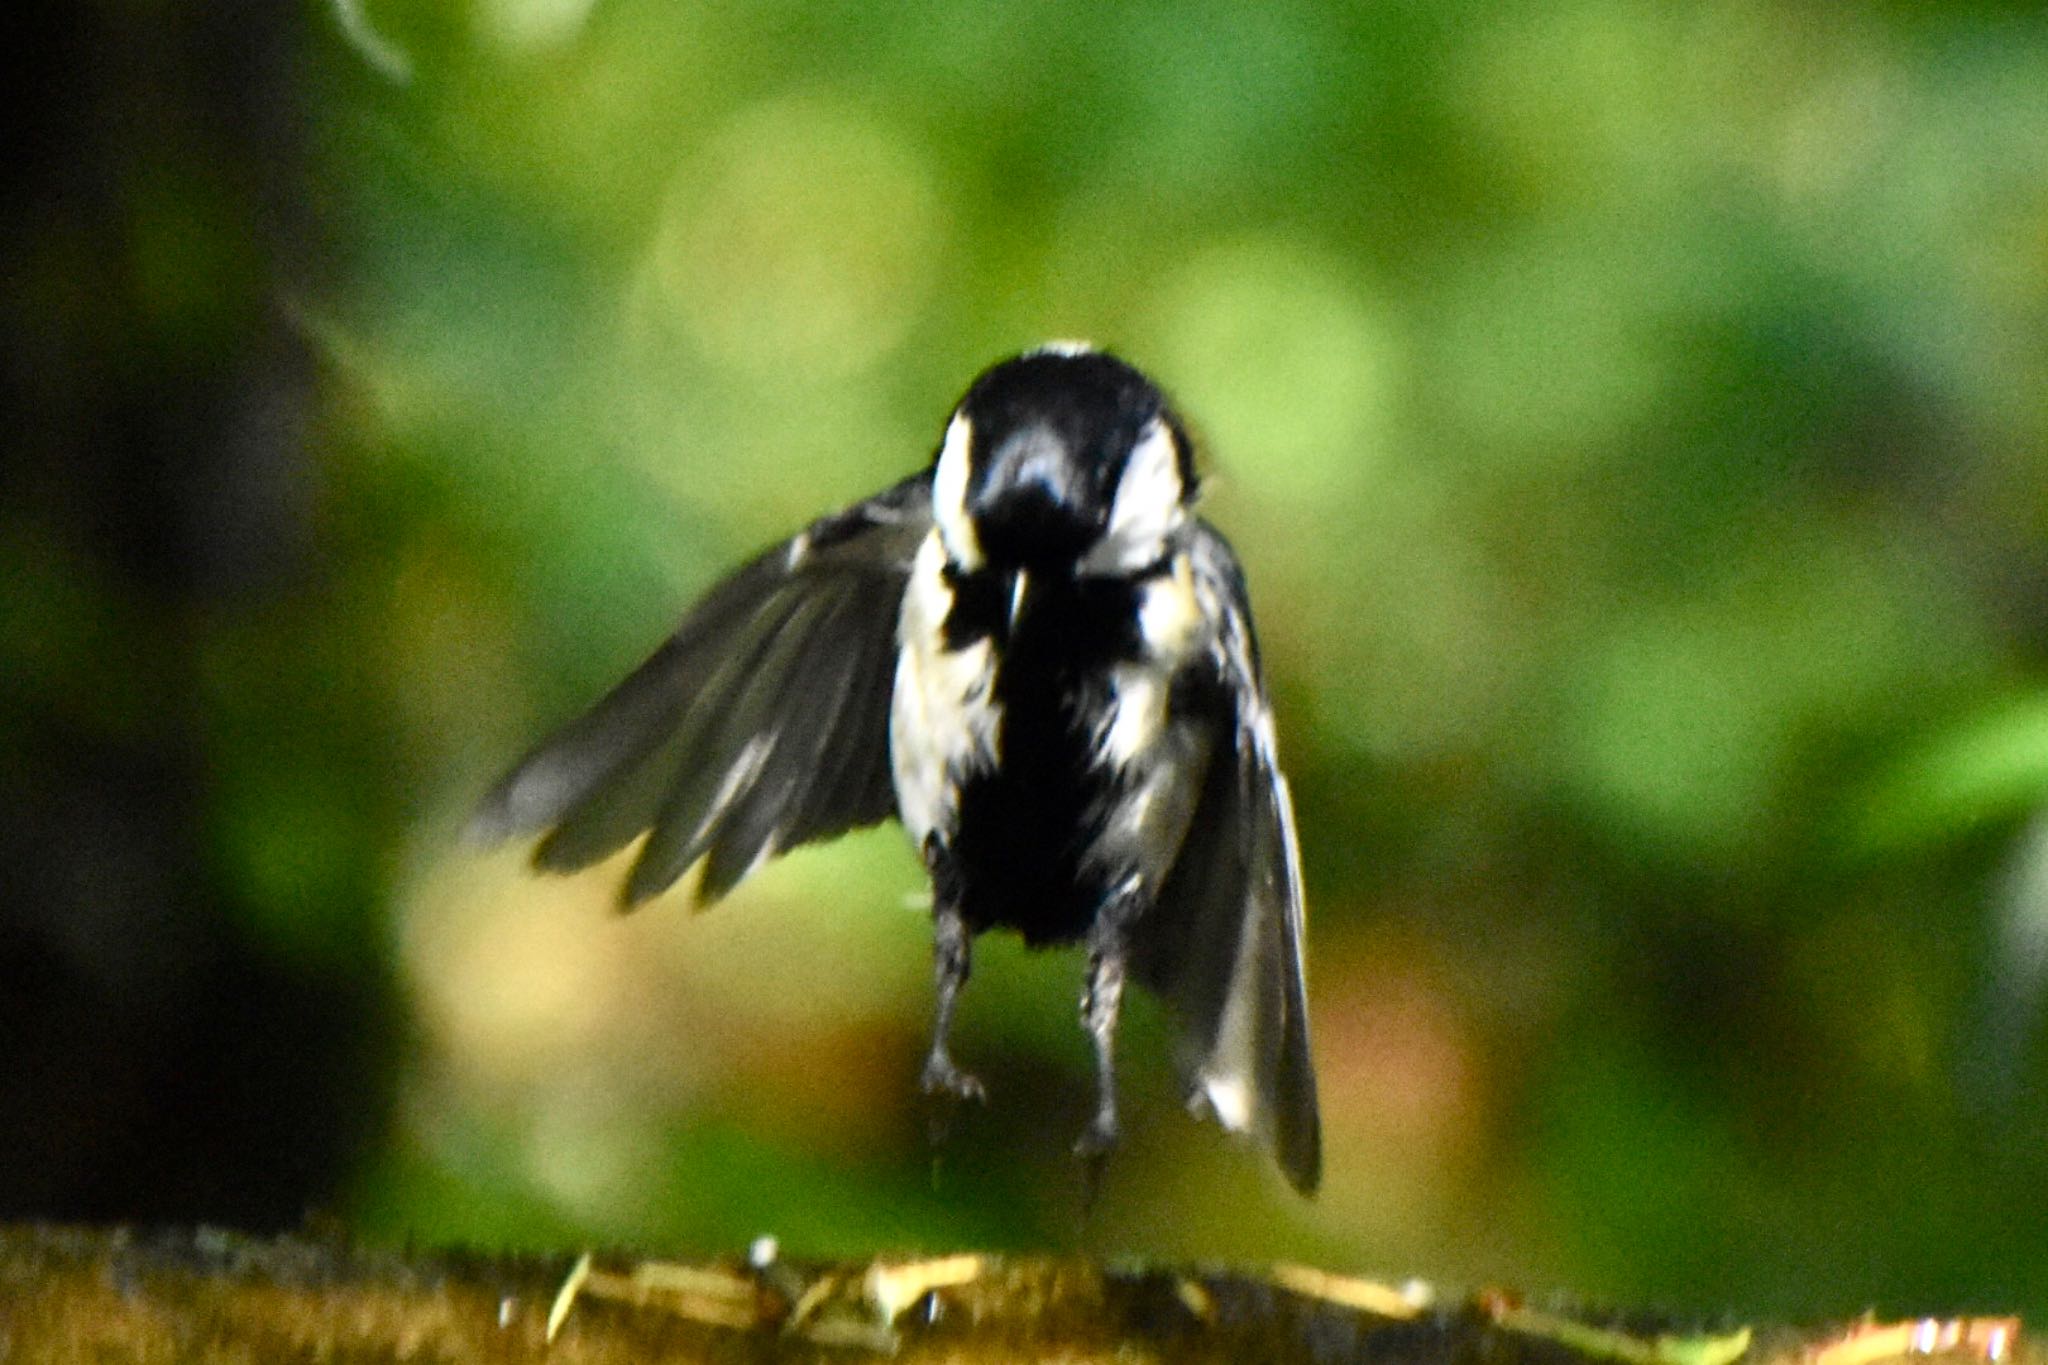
(1098, 1139)
(1093, 1147)
(942, 1077)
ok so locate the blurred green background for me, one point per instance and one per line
(1633, 418)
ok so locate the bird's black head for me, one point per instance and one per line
(1062, 459)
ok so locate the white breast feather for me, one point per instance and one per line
(1137, 712)
(1170, 614)
(1168, 620)
(942, 722)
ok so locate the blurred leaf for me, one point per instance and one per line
(1990, 766)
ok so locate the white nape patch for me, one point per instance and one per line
(949, 494)
(1148, 506)
(1063, 347)
(1230, 1100)
(942, 720)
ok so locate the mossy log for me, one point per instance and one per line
(108, 1296)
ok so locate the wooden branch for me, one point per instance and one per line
(115, 1296)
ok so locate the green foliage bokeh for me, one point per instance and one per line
(1631, 417)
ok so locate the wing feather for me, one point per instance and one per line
(673, 762)
(762, 723)
(738, 722)
(841, 790)
(634, 718)
(802, 738)
(1223, 946)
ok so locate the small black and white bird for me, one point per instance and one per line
(1036, 655)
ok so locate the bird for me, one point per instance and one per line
(1038, 657)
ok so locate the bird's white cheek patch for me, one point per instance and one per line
(1148, 507)
(949, 494)
(943, 720)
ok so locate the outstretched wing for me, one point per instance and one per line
(1222, 946)
(763, 722)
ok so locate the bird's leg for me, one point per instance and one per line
(952, 959)
(1100, 1006)
(1099, 1009)
(1108, 949)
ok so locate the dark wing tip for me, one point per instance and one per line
(525, 801)
(1299, 1148)
(495, 818)
(487, 827)
(648, 880)
(643, 884)
(1288, 1126)
(1298, 1130)
(722, 872)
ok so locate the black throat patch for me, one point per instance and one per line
(1027, 828)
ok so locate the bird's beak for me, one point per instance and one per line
(1020, 588)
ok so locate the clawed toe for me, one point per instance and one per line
(941, 1077)
(1097, 1140)
(1093, 1147)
